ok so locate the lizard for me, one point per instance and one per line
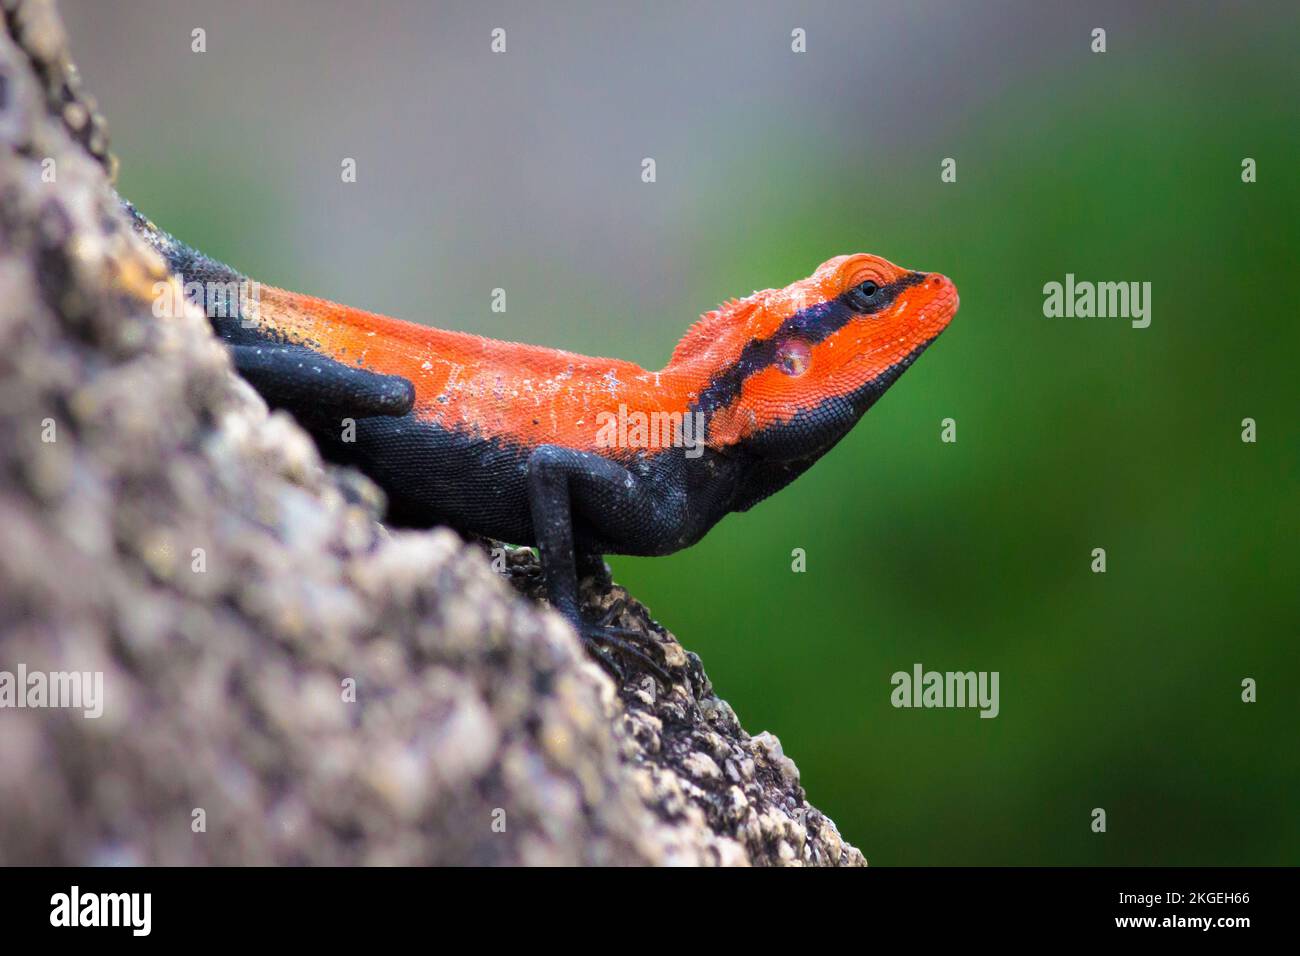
(575, 455)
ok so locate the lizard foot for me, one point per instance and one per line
(603, 639)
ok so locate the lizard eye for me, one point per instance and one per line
(793, 356)
(863, 296)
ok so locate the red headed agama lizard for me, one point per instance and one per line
(516, 442)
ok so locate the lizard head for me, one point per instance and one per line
(792, 370)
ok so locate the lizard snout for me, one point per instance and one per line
(942, 299)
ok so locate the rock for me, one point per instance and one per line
(285, 680)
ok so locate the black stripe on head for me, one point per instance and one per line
(813, 324)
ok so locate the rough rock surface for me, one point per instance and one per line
(286, 680)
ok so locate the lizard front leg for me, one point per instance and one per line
(312, 386)
(612, 501)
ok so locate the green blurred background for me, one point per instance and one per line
(522, 171)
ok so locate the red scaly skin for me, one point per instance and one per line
(535, 395)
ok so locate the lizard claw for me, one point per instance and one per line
(600, 639)
(616, 608)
